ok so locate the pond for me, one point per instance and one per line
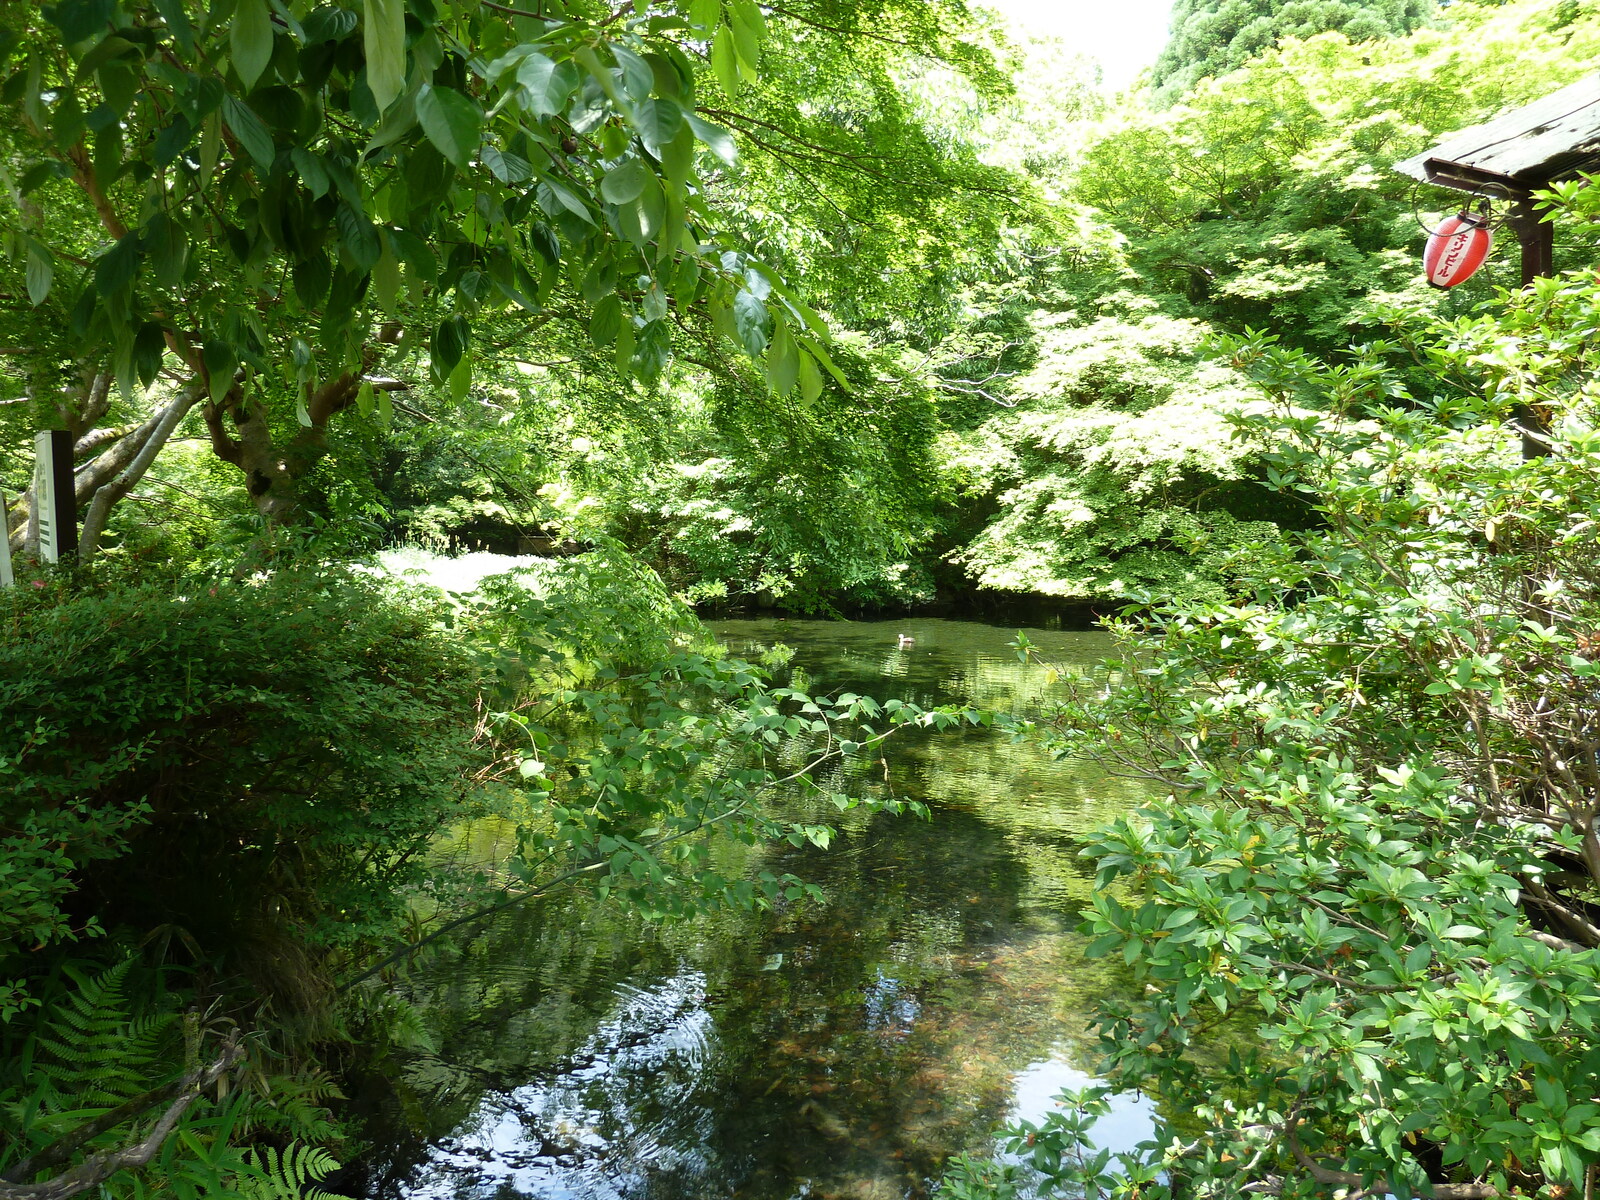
(842, 1050)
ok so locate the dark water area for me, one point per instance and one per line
(1014, 610)
(838, 1050)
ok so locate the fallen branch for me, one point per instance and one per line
(98, 1168)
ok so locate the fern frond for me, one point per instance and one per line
(287, 1174)
(86, 1047)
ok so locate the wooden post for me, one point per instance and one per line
(54, 494)
(1537, 239)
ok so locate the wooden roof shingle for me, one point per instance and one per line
(1555, 137)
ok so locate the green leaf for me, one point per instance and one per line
(749, 30)
(173, 140)
(810, 378)
(80, 20)
(210, 146)
(249, 129)
(677, 156)
(637, 78)
(544, 240)
(178, 24)
(546, 85)
(166, 244)
(658, 122)
(725, 62)
(507, 168)
(623, 353)
(325, 24)
(567, 200)
(450, 342)
(250, 40)
(606, 322)
(653, 350)
(452, 121)
(221, 363)
(399, 119)
(359, 237)
(364, 398)
(383, 40)
(114, 270)
(717, 139)
(386, 281)
(312, 276)
(149, 348)
(750, 321)
(625, 182)
(40, 174)
(826, 361)
(40, 272)
(312, 173)
(460, 378)
(705, 13)
(783, 361)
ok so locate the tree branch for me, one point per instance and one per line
(1349, 1179)
(94, 521)
(98, 1168)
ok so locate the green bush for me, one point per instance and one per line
(1379, 870)
(253, 764)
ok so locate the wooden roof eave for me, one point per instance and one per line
(1555, 137)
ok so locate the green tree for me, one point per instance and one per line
(1116, 472)
(275, 203)
(1213, 37)
(1265, 200)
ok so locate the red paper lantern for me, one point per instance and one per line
(1456, 249)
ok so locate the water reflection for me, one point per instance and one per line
(835, 1051)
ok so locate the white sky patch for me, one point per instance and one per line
(1124, 35)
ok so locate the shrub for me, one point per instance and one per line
(253, 763)
(1379, 865)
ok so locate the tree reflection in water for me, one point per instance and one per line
(843, 1050)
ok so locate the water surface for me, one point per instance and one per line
(842, 1050)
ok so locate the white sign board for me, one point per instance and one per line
(53, 493)
(7, 579)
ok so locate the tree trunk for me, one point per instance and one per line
(274, 468)
(148, 441)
